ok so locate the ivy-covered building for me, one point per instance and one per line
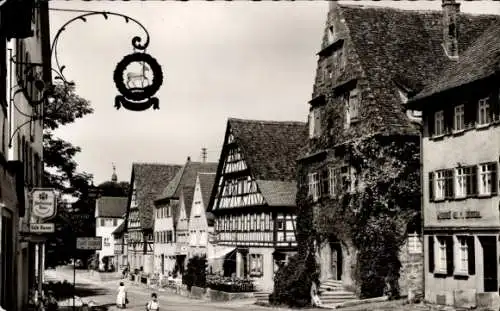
(360, 173)
(461, 148)
(253, 199)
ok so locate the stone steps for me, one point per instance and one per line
(333, 292)
(262, 297)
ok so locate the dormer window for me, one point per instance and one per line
(330, 34)
(459, 118)
(314, 122)
(483, 113)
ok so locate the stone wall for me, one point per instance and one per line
(411, 281)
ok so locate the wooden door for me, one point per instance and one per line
(334, 263)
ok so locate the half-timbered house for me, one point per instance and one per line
(253, 198)
(201, 222)
(173, 208)
(368, 66)
(147, 181)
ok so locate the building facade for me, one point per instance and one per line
(174, 208)
(120, 245)
(368, 66)
(253, 199)
(26, 27)
(108, 217)
(460, 147)
(147, 182)
(201, 222)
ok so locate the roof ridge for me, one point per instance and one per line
(423, 11)
(155, 163)
(266, 121)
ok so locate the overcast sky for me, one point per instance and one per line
(253, 60)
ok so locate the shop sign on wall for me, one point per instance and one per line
(458, 215)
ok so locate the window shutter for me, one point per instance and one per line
(450, 185)
(324, 181)
(448, 119)
(471, 256)
(449, 255)
(494, 105)
(431, 186)
(470, 114)
(473, 180)
(317, 122)
(431, 253)
(494, 179)
(430, 124)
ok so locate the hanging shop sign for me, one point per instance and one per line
(43, 203)
(138, 77)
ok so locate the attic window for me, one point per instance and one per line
(315, 122)
(330, 34)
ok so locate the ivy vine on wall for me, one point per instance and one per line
(373, 218)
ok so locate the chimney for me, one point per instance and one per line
(451, 9)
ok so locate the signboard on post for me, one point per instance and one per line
(42, 228)
(43, 203)
(89, 243)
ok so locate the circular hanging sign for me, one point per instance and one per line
(138, 87)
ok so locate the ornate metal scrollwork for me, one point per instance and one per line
(134, 96)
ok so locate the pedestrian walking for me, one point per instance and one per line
(121, 297)
(153, 304)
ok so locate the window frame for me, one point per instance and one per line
(483, 109)
(491, 171)
(439, 128)
(353, 105)
(256, 263)
(459, 118)
(461, 264)
(441, 263)
(460, 178)
(439, 176)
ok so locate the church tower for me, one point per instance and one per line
(114, 177)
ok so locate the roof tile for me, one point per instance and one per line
(111, 207)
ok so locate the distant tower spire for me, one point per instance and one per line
(204, 155)
(114, 178)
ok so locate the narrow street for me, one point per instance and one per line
(103, 294)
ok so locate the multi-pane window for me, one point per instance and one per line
(103, 222)
(462, 260)
(487, 179)
(332, 180)
(414, 243)
(169, 236)
(440, 185)
(115, 222)
(441, 262)
(256, 265)
(459, 118)
(314, 185)
(483, 113)
(461, 182)
(439, 123)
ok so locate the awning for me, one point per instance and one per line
(222, 252)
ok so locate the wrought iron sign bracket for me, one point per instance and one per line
(137, 89)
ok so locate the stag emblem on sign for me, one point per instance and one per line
(137, 77)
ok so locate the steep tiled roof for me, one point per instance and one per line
(270, 148)
(404, 45)
(206, 184)
(278, 193)
(111, 206)
(185, 181)
(480, 61)
(150, 179)
(207, 181)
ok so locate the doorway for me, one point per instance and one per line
(7, 262)
(490, 271)
(336, 260)
(162, 263)
(229, 265)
